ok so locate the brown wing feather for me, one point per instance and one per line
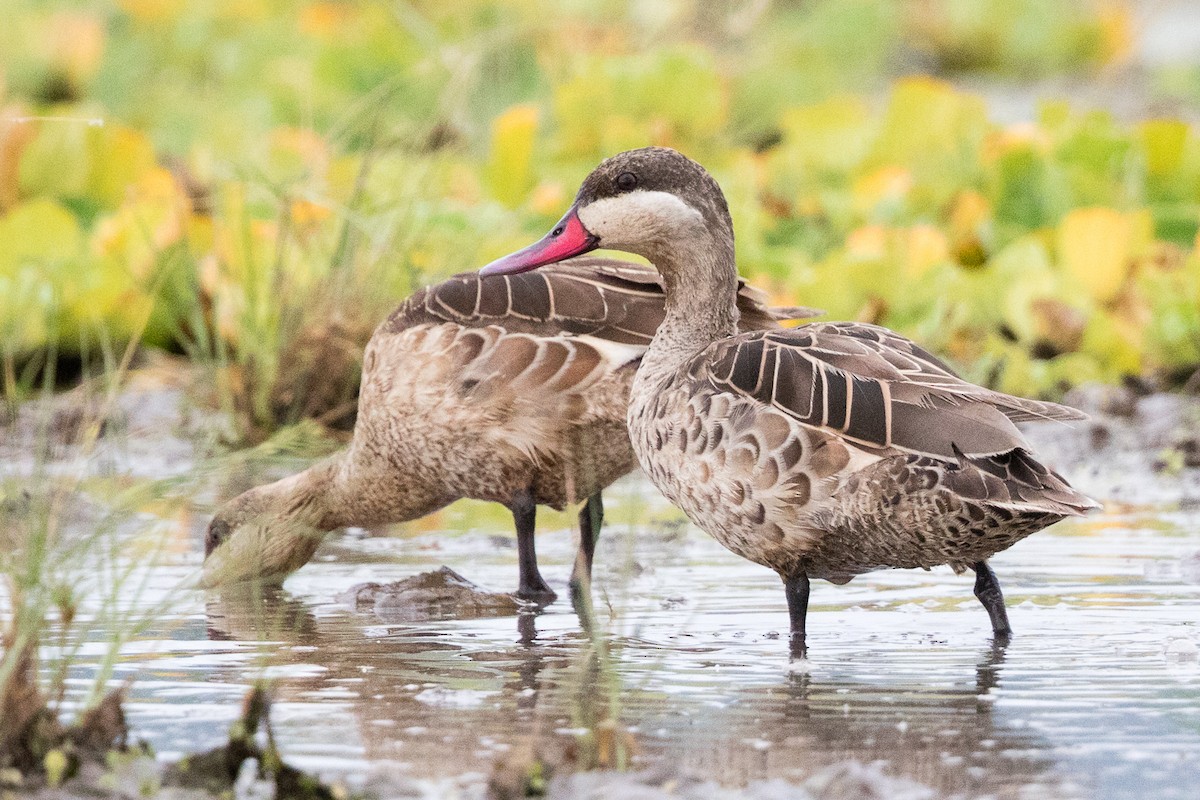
(871, 386)
(534, 366)
(920, 368)
(614, 300)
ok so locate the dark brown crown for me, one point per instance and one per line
(659, 169)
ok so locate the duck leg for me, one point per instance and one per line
(987, 589)
(796, 587)
(591, 517)
(531, 585)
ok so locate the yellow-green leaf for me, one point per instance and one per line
(41, 232)
(57, 161)
(509, 168)
(926, 117)
(1096, 248)
(1164, 141)
(831, 135)
(118, 157)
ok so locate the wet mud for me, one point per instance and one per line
(439, 594)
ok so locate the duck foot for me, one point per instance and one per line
(538, 593)
(987, 589)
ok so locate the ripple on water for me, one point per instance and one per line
(1097, 696)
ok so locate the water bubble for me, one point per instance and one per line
(1182, 650)
(799, 666)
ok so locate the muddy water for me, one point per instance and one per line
(1097, 696)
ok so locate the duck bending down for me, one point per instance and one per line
(508, 389)
(821, 451)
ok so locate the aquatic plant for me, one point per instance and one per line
(266, 181)
(245, 761)
(67, 576)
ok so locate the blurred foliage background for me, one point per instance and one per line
(255, 183)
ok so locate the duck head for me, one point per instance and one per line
(654, 202)
(262, 535)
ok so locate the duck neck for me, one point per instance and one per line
(317, 497)
(360, 486)
(700, 282)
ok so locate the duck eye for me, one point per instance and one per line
(627, 181)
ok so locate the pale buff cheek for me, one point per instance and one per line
(632, 221)
(257, 550)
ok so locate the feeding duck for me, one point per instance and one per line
(508, 389)
(821, 451)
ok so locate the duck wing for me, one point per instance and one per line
(539, 350)
(872, 387)
(539, 368)
(609, 299)
(922, 367)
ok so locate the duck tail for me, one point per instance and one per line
(1016, 480)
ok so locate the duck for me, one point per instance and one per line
(821, 451)
(506, 389)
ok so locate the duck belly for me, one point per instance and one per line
(445, 450)
(443, 421)
(450, 444)
(903, 512)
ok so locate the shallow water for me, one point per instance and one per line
(1097, 696)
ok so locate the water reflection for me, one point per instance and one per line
(440, 704)
(417, 693)
(950, 738)
(1098, 695)
(1100, 687)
